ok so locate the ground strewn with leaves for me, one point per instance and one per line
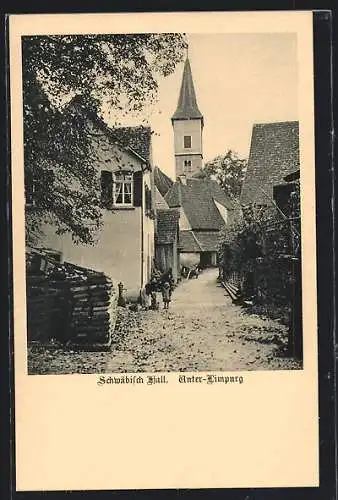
(202, 331)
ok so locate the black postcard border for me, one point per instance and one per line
(324, 49)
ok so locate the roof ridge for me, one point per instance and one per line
(283, 122)
(198, 243)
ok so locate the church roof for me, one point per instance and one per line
(187, 103)
(196, 197)
(274, 154)
(162, 181)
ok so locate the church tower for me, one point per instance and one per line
(187, 123)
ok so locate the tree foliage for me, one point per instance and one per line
(121, 72)
(264, 245)
(229, 170)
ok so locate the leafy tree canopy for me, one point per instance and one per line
(120, 72)
(229, 170)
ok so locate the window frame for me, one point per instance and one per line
(190, 141)
(124, 193)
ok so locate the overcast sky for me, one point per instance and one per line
(240, 79)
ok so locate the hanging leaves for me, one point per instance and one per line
(116, 71)
(229, 170)
(266, 245)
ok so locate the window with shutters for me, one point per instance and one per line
(123, 189)
(106, 188)
(187, 141)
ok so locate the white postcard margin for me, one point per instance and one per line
(73, 435)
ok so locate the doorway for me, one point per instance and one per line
(206, 259)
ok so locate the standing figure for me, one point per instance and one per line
(168, 277)
(166, 295)
(152, 288)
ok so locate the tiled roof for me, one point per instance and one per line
(187, 104)
(208, 240)
(274, 153)
(167, 226)
(136, 138)
(188, 243)
(173, 196)
(199, 241)
(197, 199)
(162, 181)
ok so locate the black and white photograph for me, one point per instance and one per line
(164, 250)
(162, 202)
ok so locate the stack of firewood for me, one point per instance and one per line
(42, 308)
(93, 305)
(68, 302)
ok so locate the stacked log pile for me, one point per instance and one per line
(42, 308)
(71, 303)
(93, 307)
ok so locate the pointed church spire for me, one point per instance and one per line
(187, 104)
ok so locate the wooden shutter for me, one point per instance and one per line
(138, 189)
(106, 188)
(148, 198)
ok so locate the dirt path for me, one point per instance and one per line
(202, 331)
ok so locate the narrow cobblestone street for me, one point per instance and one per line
(202, 331)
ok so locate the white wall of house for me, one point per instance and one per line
(148, 233)
(124, 247)
(117, 251)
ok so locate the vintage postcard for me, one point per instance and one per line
(165, 317)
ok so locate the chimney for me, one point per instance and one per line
(183, 179)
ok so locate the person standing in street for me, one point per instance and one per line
(166, 295)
